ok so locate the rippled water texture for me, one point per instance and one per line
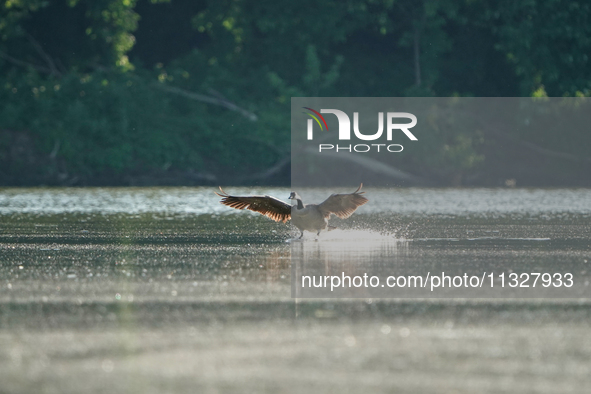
(166, 290)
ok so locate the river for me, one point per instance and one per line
(152, 290)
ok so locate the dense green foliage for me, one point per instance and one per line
(110, 88)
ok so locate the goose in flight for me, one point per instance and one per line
(310, 217)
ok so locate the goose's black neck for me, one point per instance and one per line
(300, 204)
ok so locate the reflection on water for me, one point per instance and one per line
(336, 239)
(329, 267)
(342, 252)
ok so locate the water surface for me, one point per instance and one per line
(166, 290)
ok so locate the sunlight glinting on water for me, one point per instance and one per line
(196, 201)
(202, 200)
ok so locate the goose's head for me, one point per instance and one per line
(294, 196)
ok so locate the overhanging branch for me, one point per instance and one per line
(207, 99)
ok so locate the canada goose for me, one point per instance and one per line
(311, 217)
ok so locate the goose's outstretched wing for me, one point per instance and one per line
(269, 206)
(343, 205)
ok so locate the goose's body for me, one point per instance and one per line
(311, 217)
(308, 218)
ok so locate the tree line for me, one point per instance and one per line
(198, 91)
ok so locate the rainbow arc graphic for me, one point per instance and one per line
(316, 117)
